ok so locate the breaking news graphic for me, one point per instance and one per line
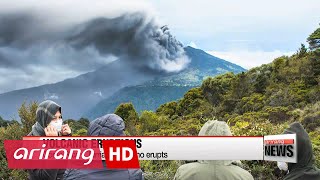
(159, 90)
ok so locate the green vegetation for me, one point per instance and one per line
(314, 39)
(78, 127)
(262, 101)
(13, 130)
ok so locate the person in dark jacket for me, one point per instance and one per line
(305, 168)
(48, 123)
(108, 125)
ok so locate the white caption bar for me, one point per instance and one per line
(190, 148)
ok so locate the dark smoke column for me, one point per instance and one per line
(132, 37)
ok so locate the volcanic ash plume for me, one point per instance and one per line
(37, 44)
(134, 37)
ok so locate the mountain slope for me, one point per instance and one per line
(151, 94)
(77, 95)
(143, 97)
(202, 65)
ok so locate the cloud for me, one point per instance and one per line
(51, 96)
(193, 44)
(268, 25)
(98, 93)
(249, 59)
(39, 41)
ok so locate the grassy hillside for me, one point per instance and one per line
(262, 101)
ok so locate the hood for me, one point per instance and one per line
(215, 128)
(107, 125)
(46, 112)
(305, 154)
(304, 168)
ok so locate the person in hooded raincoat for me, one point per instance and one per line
(305, 168)
(215, 169)
(48, 123)
(108, 125)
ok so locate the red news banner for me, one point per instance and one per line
(124, 152)
(62, 154)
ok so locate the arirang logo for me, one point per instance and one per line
(279, 147)
(24, 153)
(70, 154)
(53, 154)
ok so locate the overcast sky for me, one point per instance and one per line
(247, 32)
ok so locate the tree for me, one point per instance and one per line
(130, 116)
(314, 40)
(3, 123)
(149, 121)
(261, 83)
(11, 132)
(278, 65)
(240, 86)
(27, 114)
(84, 121)
(168, 109)
(302, 51)
(214, 88)
(81, 132)
(190, 102)
(254, 102)
(124, 110)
